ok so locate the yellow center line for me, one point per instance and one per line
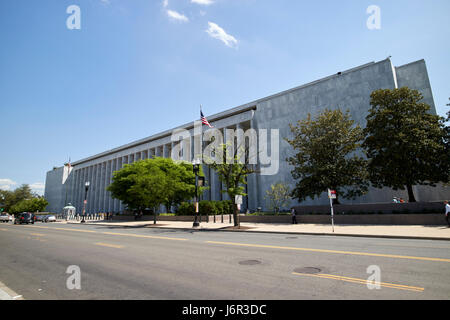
(37, 234)
(109, 245)
(143, 236)
(65, 229)
(362, 281)
(331, 251)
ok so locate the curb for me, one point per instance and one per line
(300, 233)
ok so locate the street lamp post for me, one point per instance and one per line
(86, 188)
(196, 168)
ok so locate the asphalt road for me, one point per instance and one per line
(148, 263)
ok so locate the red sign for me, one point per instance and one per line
(331, 194)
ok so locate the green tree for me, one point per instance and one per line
(278, 196)
(405, 142)
(181, 181)
(232, 166)
(152, 182)
(36, 204)
(11, 198)
(327, 156)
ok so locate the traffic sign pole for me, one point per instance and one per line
(332, 195)
(332, 214)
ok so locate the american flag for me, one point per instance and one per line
(204, 121)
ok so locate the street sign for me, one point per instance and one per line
(332, 194)
(238, 199)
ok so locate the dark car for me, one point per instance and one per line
(25, 217)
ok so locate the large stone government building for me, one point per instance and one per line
(349, 89)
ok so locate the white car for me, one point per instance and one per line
(5, 217)
(50, 218)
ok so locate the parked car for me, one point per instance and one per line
(5, 217)
(50, 218)
(25, 217)
(41, 217)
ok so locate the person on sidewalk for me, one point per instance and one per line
(447, 212)
(294, 216)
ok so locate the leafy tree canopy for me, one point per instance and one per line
(326, 156)
(149, 183)
(405, 142)
(37, 204)
(232, 169)
(278, 196)
(11, 198)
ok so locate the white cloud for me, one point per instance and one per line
(203, 2)
(6, 184)
(218, 33)
(177, 16)
(165, 3)
(38, 188)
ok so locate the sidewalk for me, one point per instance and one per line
(378, 231)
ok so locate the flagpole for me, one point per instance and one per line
(201, 146)
(201, 135)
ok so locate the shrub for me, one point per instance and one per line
(186, 209)
(228, 207)
(220, 208)
(207, 207)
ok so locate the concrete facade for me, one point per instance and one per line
(349, 89)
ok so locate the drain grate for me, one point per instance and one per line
(249, 262)
(309, 270)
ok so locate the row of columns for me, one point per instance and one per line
(100, 177)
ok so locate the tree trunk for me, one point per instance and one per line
(410, 193)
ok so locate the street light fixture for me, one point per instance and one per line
(196, 167)
(86, 188)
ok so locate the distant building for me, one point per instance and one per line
(349, 89)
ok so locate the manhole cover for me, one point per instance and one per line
(310, 270)
(249, 262)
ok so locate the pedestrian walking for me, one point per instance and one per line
(447, 212)
(294, 216)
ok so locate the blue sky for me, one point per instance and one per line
(138, 67)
